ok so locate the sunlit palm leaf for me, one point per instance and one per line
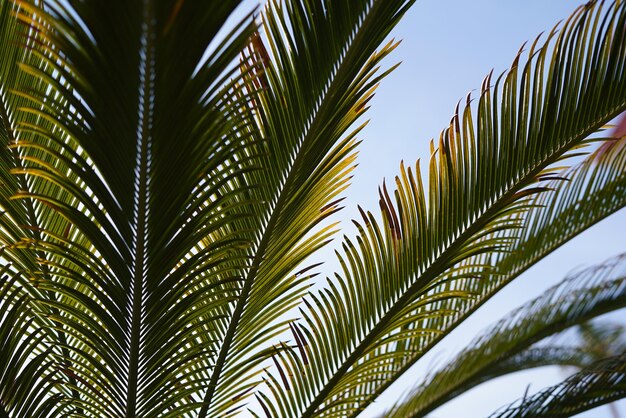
(481, 183)
(595, 191)
(321, 64)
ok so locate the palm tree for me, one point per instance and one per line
(163, 186)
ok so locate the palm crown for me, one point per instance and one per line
(163, 187)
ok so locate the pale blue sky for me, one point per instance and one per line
(448, 47)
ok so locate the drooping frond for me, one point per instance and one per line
(594, 386)
(405, 280)
(539, 356)
(577, 299)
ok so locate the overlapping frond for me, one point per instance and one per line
(577, 299)
(319, 70)
(405, 280)
(539, 356)
(596, 385)
(27, 324)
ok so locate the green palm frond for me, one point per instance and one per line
(321, 63)
(539, 356)
(147, 186)
(594, 191)
(482, 180)
(599, 384)
(129, 263)
(578, 298)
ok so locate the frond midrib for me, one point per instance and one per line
(141, 204)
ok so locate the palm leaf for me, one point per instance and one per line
(596, 385)
(539, 356)
(595, 190)
(21, 220)
(482, 179)
(578, 298)
(321, 63)
(119, 119)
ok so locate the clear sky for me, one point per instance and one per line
(448, 47)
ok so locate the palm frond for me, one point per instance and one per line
(136, 151)
(318, 60)
(539, 356)
(594, 191)
(577, 299)
(596, 385)
(482, 180)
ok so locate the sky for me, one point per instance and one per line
(447, 48)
